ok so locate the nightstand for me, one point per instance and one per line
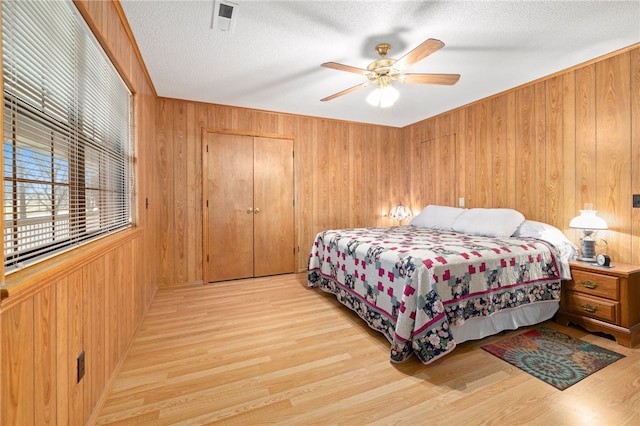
(603, 299)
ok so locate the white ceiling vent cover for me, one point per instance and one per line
(225, 14)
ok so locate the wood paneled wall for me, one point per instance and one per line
(346, 174)
(93, 308)
(89, 299)
(545, 149)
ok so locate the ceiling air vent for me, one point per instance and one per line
(225, 14)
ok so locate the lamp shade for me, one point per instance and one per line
(400, 212)
(588, 220)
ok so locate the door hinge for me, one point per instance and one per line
(207, 148)
(207, 203)
(207, 258)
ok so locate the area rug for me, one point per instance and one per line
(553, 357)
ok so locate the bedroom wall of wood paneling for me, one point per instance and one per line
(346, 174)
(91, 298)
(545, 149)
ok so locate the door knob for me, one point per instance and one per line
(257, 210)
(249, 210)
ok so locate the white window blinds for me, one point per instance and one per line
(67, 151)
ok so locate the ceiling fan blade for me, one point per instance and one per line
(345, 92)
(448, 79)
(419, 53)
(341, 67)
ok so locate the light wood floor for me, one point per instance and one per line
(270, 350)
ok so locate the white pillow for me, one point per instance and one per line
(541, 230)
(550, 234)
(488, 222)
(437, 217)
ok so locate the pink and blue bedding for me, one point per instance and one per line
(415, 284)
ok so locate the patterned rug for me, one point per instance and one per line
(553, 357)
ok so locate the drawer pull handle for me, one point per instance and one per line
(589, 284)
(589, 308)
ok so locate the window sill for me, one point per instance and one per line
(28, 281)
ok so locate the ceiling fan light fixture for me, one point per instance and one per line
(384, 96)
(382, 71)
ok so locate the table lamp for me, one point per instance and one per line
(589, 223)
(400, 213)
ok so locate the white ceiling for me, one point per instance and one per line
(271, 61)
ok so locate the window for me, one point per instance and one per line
(67, 125)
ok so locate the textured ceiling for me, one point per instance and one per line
(271, 60)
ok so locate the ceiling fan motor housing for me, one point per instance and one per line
(382, 67)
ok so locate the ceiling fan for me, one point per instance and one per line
(384, 70)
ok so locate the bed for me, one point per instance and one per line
(429, 288)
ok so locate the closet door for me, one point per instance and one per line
(248, 197)
(229, 226)
(273, 251)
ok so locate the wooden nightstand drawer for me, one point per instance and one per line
(595, 284)
(593, 307)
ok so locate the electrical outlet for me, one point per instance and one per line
(636, 201)
(80, 366)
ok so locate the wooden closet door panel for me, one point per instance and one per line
(230, 220)
(273, 195)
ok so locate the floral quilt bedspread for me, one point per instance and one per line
(412, 283)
